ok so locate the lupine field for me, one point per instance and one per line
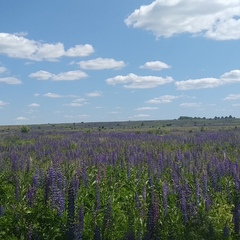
(119, 185)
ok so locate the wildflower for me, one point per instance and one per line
(165, 191)
(1, 211)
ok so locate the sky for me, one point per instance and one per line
(118, 60)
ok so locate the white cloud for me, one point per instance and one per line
(3, 69)
(141, 116)
(16, 46)
(63, 76)
(138, 82)
(21, 119)
(69, 76)
(79, 102)
(231, 77)
(163, 99)
(34, 105)
(10, 80)
(190, 105)
(227, 78)
(3, 104)
(80, 51)
(52, 95)
(198, 83)
(101, 63)
(157, 65)
(94, 94)
(146, 108)
(215, 19)
(41, 75)
(232, 97)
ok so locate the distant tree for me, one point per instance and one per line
(25, 129)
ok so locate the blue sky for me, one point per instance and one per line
(73, 61)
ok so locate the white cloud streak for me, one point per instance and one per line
(10, 80)
(21, 119)
(227, 78)
(34, 105)
(156, 66)
(16, 46)
(3, 69)
(3, 104)
(232, 97)
(190, 105)
(52, 95)
(79, 102)
(101, 64)
(94, 94)
(133, 81)
(163, 99)
(146, 108)
(63, 76)
(215, 19)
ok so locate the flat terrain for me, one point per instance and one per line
(152, 126)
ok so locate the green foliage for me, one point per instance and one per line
(25, 129)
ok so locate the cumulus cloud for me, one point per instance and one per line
(133, 81)
(80, 51)
(52, 95)
(18, 46)
(79, 102)
(3, 69)
(156, 65)
(101, 64)
(215, 19)
(10, 80)
(34, 105)
(3, 104)
(63, 76)
(141, 116)
(227, 78)
(94, 94)
(163, 99)
(146, 108)
(232, 97)
(190, 105)
(21, 119)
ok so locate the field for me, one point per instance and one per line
(176, 179)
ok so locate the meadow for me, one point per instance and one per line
(150, 180)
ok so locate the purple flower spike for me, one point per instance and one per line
(165, 191)
(1, 211)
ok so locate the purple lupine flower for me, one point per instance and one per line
(183, 204)
(236, 217)
(35, 180)
(204, 185)
(226, 232)
(70, 213)
(155, 209)
(165, 191)
(197, 191)
(1, 211)
(80, 224)
(107, 218)
(97, 233)
(16, 184)
(30, 196)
